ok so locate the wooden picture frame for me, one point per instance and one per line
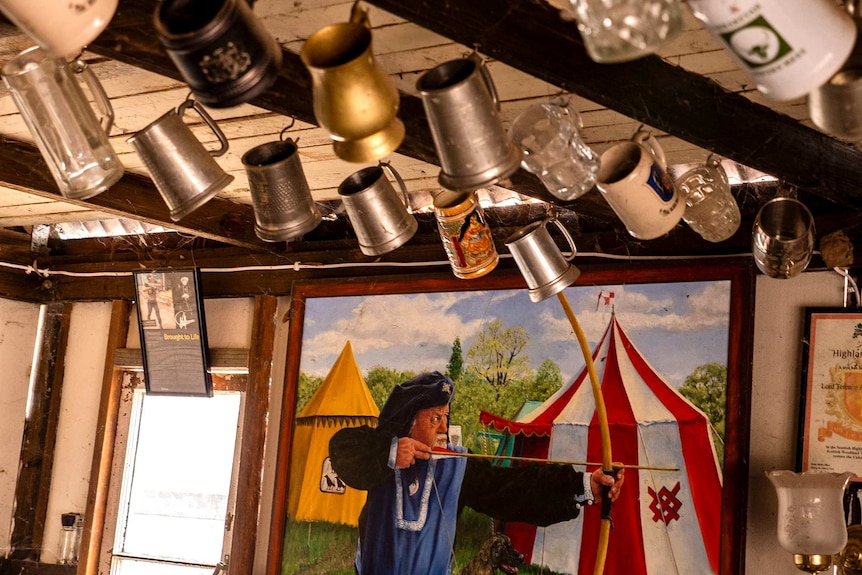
(172, 327)
(737, 276)
(830, 416)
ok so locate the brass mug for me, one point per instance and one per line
(355, 101)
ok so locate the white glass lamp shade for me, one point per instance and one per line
(811, 511)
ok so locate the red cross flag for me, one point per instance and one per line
(605, 298)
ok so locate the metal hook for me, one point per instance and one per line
(78, 65)
(286, 128)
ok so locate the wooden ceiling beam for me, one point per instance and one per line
(23, 168)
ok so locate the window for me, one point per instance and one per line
(173, 484)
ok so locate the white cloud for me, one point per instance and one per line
(704, 309)
(387, 323)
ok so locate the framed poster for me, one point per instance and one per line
(173, 332)
(690, 330)
(830, 419)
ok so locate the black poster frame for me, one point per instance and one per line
(173, 343)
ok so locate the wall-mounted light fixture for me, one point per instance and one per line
(811, 520)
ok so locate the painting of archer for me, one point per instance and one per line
(522, 391)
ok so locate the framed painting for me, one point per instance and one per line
(830, 419)
(671, 347)
(173, 333)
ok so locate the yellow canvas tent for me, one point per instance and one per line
(315, 492)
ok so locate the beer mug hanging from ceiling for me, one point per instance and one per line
(789, 47)
(633, 179)
(623, 30)
(462, 107)
(62, 28)
(836, 106)
(184, 172)
(73, 140)
(355, 101)
(283, 206)
(381, 221)
(222, 50)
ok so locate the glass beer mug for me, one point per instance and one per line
(48, 93)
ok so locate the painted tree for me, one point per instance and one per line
(706, 387)
(306, 388)
(456, 361)
(497, 355)
(380, 381)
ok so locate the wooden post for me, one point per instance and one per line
(40, 434)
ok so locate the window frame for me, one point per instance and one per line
(126, 421)
(256, 361)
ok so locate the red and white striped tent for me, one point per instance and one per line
(665, 522)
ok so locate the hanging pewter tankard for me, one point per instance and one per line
(283, 207)
(222, 50)
(184, 172)
(381, 222)
(72, 140)
(355, 101)
(836, 106)
(462, 107)
(545, 269)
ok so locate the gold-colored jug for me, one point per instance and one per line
(354, 99)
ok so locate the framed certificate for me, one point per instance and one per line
(173, 332)
(830, 419)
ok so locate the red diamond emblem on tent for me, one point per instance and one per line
(665, 504)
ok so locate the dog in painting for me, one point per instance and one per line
(497, 553)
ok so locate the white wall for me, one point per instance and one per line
(776, 384)
(17, 339)
(79, 412)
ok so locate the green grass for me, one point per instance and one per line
(327, 549)
(318, 548)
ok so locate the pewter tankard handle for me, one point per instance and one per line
(190, 103)
(394, 173)
(565, 232)
(486, 77)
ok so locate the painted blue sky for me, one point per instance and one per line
(676, 326)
